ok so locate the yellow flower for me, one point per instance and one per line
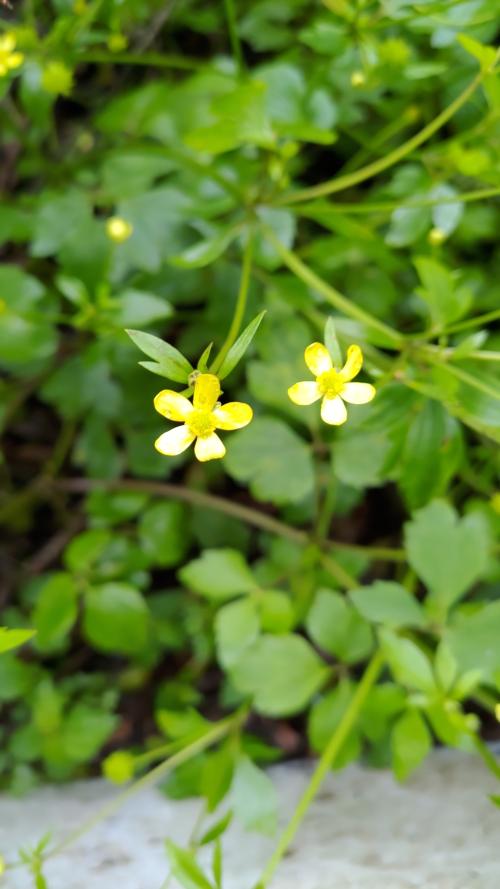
(118, 229)
(9, 59)
(199, 420)
(332, 385)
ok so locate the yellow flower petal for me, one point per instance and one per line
(333, 411)
(206, 391)
(233, 415)
(358, 393)
(175, 441)
(304, 393)
(209, 448)
(7, 43)
(353, 364)
(172, 405)
(15, 60)
(318, 359)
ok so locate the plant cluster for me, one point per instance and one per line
(267, 202)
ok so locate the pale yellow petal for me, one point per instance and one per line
(304, 393)
(353, 364)
(173, 405)
(233, 415)
(358, 393)
(175, 441)
(7, 43)
(209, 448)
(15, 60)
(206, 391)
(333, 411)
(318, 359)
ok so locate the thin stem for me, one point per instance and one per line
(332, 295)
(461, 374)
(210, 501)
(487, 756)
(383, 163)
(233, 33)
(154, 59)
(317, 212)
(325, 763)
(241, 303)
(215, 734)
(477, 321)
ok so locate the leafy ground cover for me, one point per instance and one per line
(230, 186)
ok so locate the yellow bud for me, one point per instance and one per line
(358, 78)
(118, 229)
(117, 42)
(495, 505)
(436, 237)
(497, 712)
(3, 867)
(57, 78)
(119, 767)
(80, 7)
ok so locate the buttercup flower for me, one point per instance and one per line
(9, 59)
(199, 419)
(332, 385)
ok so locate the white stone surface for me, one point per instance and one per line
(438, 831)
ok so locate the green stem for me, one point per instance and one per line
(324, 765)
(461, 374)
(155, 59)
(241, 303)
(487, 756)
(233, 34)
(229, 507)
(336, 299)
(316, 212)
(211, 737)
(383, 163)
(477, 321)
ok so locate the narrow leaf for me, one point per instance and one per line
(169, 362)
(239, 348)
(332, 343)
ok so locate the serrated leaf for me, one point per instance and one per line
(171, 363)
(411, 742)
(204, 252)
(388, 603)
(239, 347)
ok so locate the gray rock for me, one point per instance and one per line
(365, 831)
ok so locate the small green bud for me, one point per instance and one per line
(119, 767)
(57, 79)
(436, 237)
(118, 229)
(358, 79)
(117, 42)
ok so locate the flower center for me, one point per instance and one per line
(201, 423)
(330, 383)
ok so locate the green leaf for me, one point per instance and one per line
(448, 553)
(116, 618)
(13, 638)
(203, 359)
(388, 603)
(276, 611)
(16, 677)
(86, 549)
(332, 343)
(335, 626)
(55, 611)
(431, 455)
(254, 797)
(204, 252)
(164, 533)
(236, 628)
(185, 868)
(140, 307)
(169, 361)
(275, 462)
(230, 127)
(410, 742)
(281, 673)
(408, 663)
(474, 639)
(84, 732)
(218, 574)
(216, 830)
(446, 302)
(239, 347)
(486, 55)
